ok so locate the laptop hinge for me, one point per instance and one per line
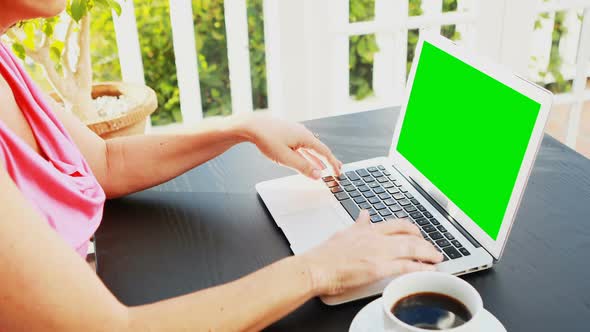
(441, 210)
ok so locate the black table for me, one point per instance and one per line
(208, 227)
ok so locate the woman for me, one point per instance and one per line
(54, 178)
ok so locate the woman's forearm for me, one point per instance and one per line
(248, 304)
(69, 296)
(139, 162)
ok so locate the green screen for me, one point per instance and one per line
(467, 133)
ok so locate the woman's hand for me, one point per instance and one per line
(289, 144)
(367, 252)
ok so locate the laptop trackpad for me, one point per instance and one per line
(307, 229)
(294, 194)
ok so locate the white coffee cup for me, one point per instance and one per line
(431, 282)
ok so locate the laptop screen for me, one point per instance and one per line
(467, 133)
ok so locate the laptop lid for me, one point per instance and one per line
(468, 134)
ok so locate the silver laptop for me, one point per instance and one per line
(463, 148)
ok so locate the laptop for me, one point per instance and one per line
(463, 148)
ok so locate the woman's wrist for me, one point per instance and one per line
(240, 127)
(319, 277)
(307, 272)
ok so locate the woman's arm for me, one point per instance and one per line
(129, 164)
(138, 162)
(247, 304)
(45, 285)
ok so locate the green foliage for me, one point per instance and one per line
(449, 6)
(363, 48)
(155, 34)
(361, 10)
(30, 28)
(257, 54)
(212, 56)
(361, 54)
(109, 4)
(155, 40)
(555, 60)
(414, 9)
(361, 51)
(76, 9)
(157, 50)
(103, 48)
(450, 31)
(19, 50)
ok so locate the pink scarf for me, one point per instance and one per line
(62, 187)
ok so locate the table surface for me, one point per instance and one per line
(209, 227)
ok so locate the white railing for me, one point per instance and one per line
(183, 38)
(307, 50)
(238, 52)
(185, 53)
(574, 51)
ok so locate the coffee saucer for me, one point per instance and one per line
(370, 319)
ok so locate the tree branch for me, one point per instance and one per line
(82, 102)
(65, 61)
(60, 85)
(84, 68)
(41, 57)
(44, 41)
(12, 35)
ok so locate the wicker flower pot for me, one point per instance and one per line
(133, 122)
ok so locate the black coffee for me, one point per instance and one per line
(431, 311)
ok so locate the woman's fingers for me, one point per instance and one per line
(295, 160)
(403, 266)
(364, 218)
(313, 143)
(311, 157)
(397, 226)
(414, 248)
(367, 252)
(280, 141)
(403, 240)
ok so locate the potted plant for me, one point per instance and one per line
(109, 109)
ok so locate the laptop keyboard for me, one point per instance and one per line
(374, 189)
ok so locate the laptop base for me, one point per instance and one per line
(309, 212)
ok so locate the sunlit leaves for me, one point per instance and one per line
(415, 8)
(449, 5)
(361, 10)
(555, 58)
(108, 4)
(362, 51)
(31, 32)
(55, 50)
(77, 9)
(19, 50)
(30, 28)
(48, 25)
